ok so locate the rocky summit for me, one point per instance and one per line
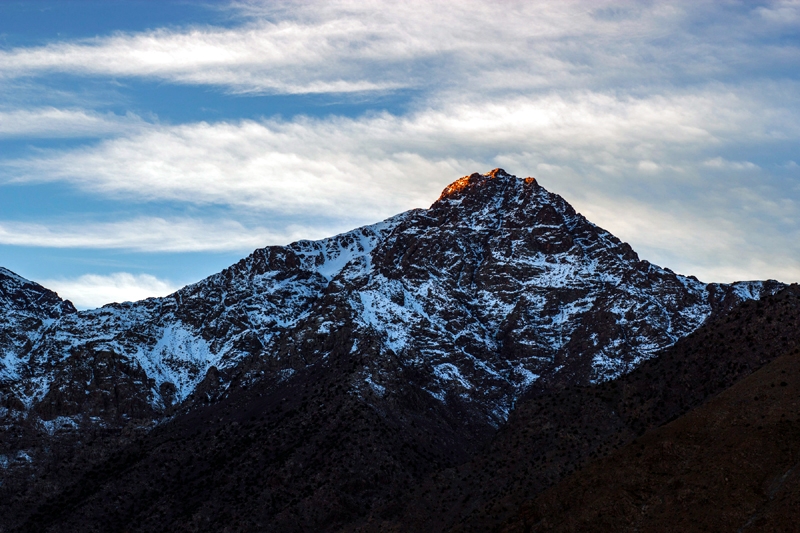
(497, 291)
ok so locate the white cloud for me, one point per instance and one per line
(783, 12)
(152, 235)
(707, 245)
(642, 153)
(52, 122)
(94, 290)
(720, 163)
(285, 57)
(313, 47)
(378, 164)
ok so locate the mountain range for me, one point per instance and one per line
(436, 371)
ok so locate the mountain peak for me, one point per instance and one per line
(475, 182)
(499, 173)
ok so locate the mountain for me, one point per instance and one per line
(319, 382)
(498, 285)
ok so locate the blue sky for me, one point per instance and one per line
(145, 145)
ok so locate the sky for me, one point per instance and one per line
(145, 145)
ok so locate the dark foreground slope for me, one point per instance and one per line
(309, 454)
(552, 435)
(732, 464)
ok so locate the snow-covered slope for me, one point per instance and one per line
(173, 341)
(498, 287)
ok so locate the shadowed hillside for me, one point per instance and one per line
(729, 465)
(551, 435)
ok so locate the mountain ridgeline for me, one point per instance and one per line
(335, 385)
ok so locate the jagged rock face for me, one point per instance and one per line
(25, 308)
(498, 287)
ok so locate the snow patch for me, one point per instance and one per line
(179, 357)
(450, 372)
(380, 390)
(58, 423)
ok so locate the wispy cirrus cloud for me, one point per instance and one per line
(710, 245)
(720, 163)
(52, 122)
(302, 47)
(659, 156)
(262, 57)
(783, 12)
(152, 234)
(378, 164)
